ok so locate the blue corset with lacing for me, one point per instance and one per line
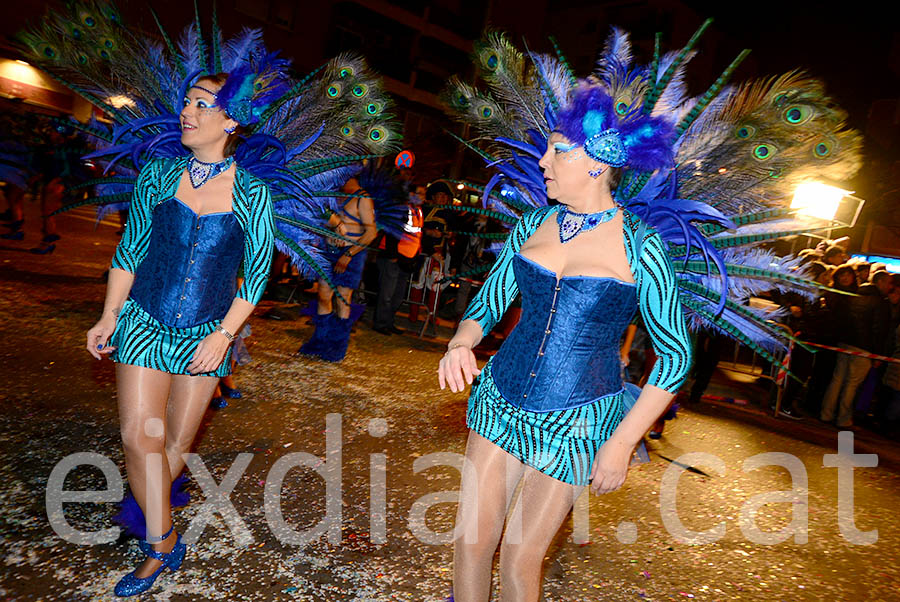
(564, 352)
(189, 275)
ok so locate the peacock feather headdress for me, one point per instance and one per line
(306, 135)
(714, 177)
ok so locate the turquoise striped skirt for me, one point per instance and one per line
(561, 444)
(142, 340)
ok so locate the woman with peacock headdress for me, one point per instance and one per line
(222, 155)
(662, 201)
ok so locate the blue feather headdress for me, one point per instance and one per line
(615, 135)
(252, 88)
(690, 166)
(304, 136)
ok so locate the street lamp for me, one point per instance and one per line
(120, 101)
(827, 202)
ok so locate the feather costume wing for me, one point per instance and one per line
(311, 137)
(739, 153)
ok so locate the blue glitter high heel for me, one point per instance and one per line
(130, 585)
(229, 392)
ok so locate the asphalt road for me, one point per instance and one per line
(58, 401)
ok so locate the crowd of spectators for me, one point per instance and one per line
(859, 313)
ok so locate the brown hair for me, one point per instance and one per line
(235, 138)
(615, 175)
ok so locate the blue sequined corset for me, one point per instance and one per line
(189, 275)
(564, 352)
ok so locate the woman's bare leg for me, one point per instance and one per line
(540, 509)
(324, 293)
(51, 200)
(488, 482)
(142, 416)
(188, 399)
(343, 310)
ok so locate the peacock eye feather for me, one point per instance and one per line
(797, 114)
(110, 13)
(764, 151)
(377, 134)
(780, 99)
(822, 149)
(347, 131)
(87, 18)
(621, 107)
(744, 132)
(346, 72)
(360, 90)
(334, 90)
(491, 61)
(373, 108)
(486, 112)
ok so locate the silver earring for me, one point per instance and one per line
(595, 173)
(230, 130)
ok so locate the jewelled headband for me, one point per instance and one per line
(631, 139)
(607, 147)
(252, 88)
(208, 91)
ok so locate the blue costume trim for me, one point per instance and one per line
(251, 204)
(352, 275)
(657, 294)
(185, 267)
(553, 393)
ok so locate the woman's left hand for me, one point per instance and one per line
(610, 466)
(209, 354)
(341, 264)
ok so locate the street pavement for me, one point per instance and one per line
(382, 405)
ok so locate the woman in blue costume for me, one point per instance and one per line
(548, 407)
(354, 221)
(203, 207)
(705, 181)
(172, 307)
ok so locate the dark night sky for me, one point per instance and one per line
(854, 46)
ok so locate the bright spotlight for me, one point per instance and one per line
(818, 200)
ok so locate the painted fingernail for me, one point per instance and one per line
(100, 346)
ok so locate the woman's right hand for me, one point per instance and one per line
(340, 230)
(98, 337)
(457, 368)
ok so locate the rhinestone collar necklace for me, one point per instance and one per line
(572, 224)
(200, 172)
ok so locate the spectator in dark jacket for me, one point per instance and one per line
(806, 321)
(820, 329)
(863, 326)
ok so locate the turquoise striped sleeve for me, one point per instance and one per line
(500, 288)
(663, 316)
(132, 248)
(259, 241)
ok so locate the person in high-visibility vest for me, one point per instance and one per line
(395, 266)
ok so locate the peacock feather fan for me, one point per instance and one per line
(299, 143)
(737, 154)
